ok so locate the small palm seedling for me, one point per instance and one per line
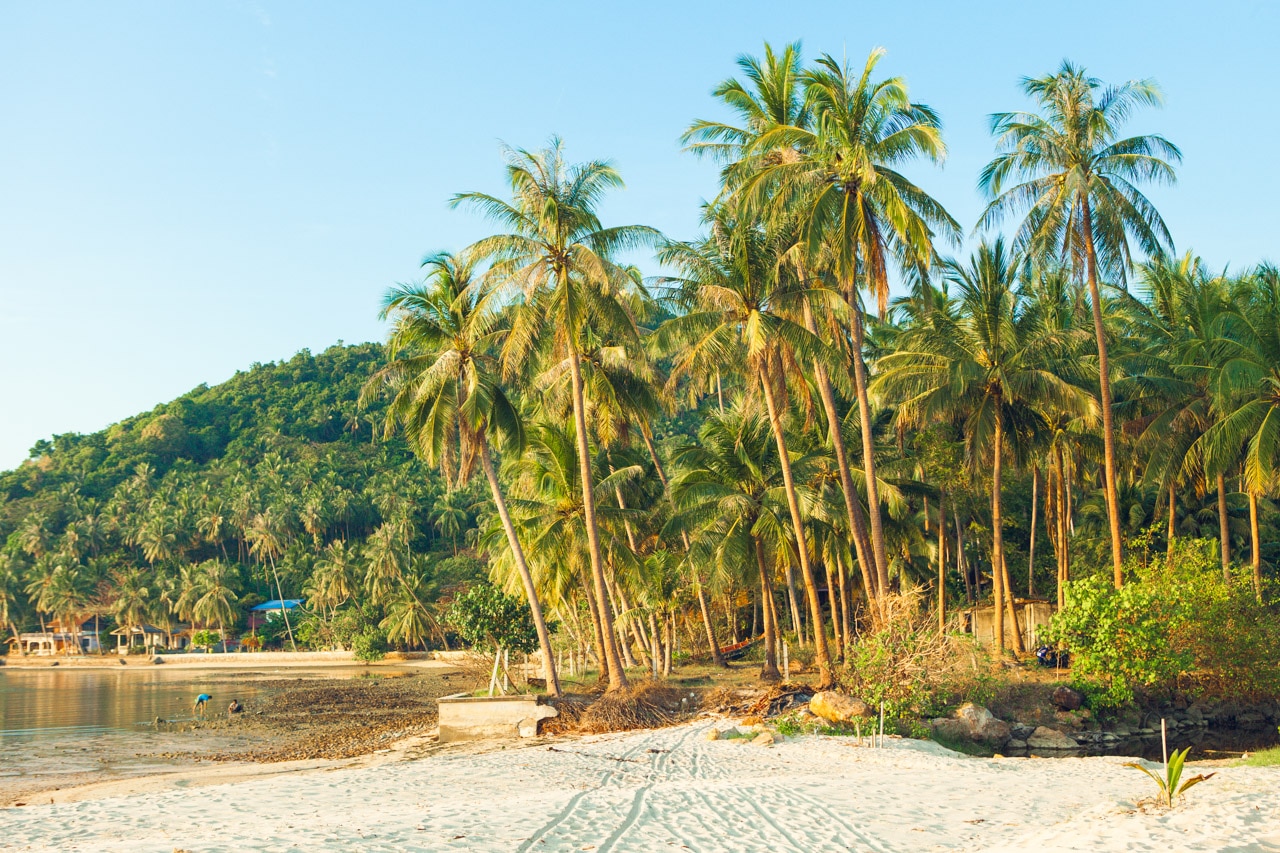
(1170, 789)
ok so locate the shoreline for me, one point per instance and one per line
(659, 789)
(221, 661)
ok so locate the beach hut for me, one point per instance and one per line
(148, 637)
(259, 615)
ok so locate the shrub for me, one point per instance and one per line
(1178, 624)
(915, 669)
(205, 639)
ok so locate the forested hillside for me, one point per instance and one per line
(278, 465)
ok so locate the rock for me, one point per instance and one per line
(713, 733)
(156, 661)
(1122, 730)
(1066, 699)
(1250, 719)
(1046, 738)
(1019, 731)
(983, 725)
(837, 707)
(948, 729)
(1016, 744)
(763, 739)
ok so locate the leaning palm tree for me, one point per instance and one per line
(1066, 169)
(855, 213)
(444, 379)
(994, 364)
(739, 303)
(267, 535)
(556, 266)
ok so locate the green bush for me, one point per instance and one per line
(489, 619)
(205, 639)
(1177, 624)
(370, 644)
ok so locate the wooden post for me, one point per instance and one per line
(786, 663)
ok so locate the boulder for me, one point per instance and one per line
(1018, 731)
(1046, 738)
(1066, 699)
(713, 733)
(983, 725)
(948, 729)
(764, 739)
(1016, 744)
(837, 707)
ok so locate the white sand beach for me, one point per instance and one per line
(670, 789)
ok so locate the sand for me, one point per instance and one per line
(670, 789)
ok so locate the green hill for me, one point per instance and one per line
(278, 464)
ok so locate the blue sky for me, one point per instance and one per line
(188, 188)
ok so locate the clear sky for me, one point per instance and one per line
(188, 188)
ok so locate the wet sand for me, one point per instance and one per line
(290, 722)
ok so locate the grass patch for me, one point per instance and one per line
(1264, 758)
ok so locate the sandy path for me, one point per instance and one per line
(673, 789)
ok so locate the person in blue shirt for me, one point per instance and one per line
(201, 701)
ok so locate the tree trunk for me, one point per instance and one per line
(942, 560)
(822, 655)
(1224, 532)
(1168, 553)
(796, 624)
(1064, 555)
(997, 537)
(617, 676)
(960, 561)
(593, 607)
(1255, 555)
(1104, 388)
(716, 658)
(284, 611)
(522, 566)
(769, 670)
(1035, 505)
(868, 451)
(1011, 608)
(852, 503)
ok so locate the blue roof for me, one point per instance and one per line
(277, 604)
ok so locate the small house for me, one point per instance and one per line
(147, 637)
(267, 610)
(71, 637)
(1032, 616)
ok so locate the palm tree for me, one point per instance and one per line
(775, 99)
(557, 261)
(10, 581)
(1247, 393)
(855, 213)
(737, 302)
(992, 363)
(445, 381)
(333, 580)
(132, 599)
(730, 494)
(215, 606)
(267, 536)
(1067, 169)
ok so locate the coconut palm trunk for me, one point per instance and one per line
(1104, 391)
(942, 560)
(611, 654)
(1255, 545)
(522, 566)
(868, 452)
(1224, 532)
(769, 669)
(852, 503)
(1168, 554)
(284, 611)
(822, 654)
(997, 536)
